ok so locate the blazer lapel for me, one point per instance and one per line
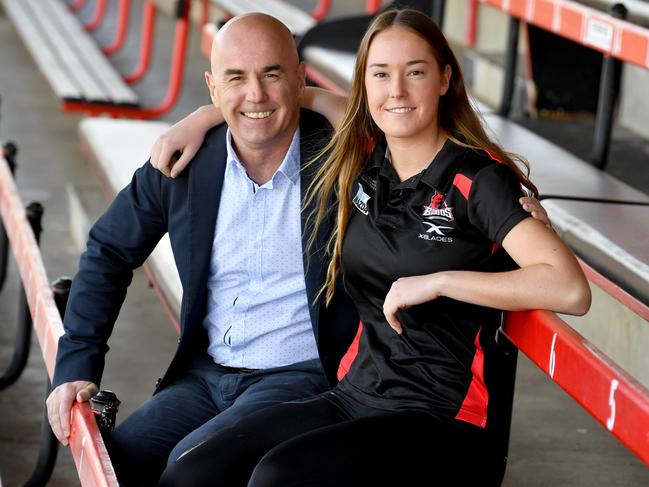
(205, 184)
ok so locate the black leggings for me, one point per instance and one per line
(318, 442)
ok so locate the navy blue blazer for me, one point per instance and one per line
(186, 207)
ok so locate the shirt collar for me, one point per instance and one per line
(380, 161)
(290, 166)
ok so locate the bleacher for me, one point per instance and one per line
(78, 69)
(601, 232)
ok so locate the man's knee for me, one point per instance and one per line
(139, 447)
(136, 462)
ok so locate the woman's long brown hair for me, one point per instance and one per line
(351, 145)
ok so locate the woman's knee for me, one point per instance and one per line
(277, 467)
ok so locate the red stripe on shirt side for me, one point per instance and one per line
(474, 406)
(462, 183)
(350, 354)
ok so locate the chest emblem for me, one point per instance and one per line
(437, 209)
(360, 200)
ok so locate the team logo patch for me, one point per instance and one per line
(437, 209)
(360, 200)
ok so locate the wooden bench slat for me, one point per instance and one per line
(47, 62)
(88, 86)
(89, 54)
(613, 238)
(557, 172)
(67, 56)
(297, 20)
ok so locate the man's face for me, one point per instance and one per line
(256, 81)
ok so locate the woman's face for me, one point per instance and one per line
(403, 83)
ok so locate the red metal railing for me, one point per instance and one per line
(100, 14)
(86, 444)
(123, 10)
(600, 386)
(585, 25)
(176, 71)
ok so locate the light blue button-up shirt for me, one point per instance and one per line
(257, 309)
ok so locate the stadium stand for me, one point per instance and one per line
(78, 70)
(575, 193)
(67, 54)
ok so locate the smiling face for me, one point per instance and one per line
(404, 83)
(256, 81)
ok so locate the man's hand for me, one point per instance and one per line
(173, 150)
(535, 208)
(170, 154)
(59, 405)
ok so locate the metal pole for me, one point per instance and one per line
(24, 330)
(9, 151)
(608, 93)
(49, 445)
(48, 450)
(502, 403)
(511, 58)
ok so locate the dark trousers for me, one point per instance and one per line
(188, 411)
(325, 442)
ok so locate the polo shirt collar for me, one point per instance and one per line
(445, 160)
(290, 166)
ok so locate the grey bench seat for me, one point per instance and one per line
(297, 20)
(556, 172)
(603, 219)
(67, 55)
(613, 238)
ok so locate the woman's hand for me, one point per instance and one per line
(407, 292)
(173, 150)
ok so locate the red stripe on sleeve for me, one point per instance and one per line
(463, 183)
(350, 355)
(474, 406)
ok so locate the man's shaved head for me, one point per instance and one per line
(264, 29)
(256, 81)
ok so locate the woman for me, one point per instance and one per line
(429, 207)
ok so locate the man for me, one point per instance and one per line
(253, 332)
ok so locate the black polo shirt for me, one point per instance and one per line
(451, 216)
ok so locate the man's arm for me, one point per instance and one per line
(174, 149)
(118, 243)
